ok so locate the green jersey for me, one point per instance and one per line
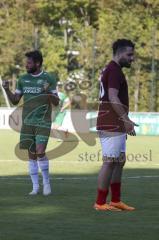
(37, 107)
(63, 98)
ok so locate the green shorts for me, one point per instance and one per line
(30, 136)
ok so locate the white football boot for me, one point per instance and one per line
(46, 189)
(35, 190)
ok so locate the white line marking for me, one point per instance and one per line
(77, 162)
(74, 178)
(137, 177)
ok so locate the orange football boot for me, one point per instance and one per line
(121, 206)
(105, 207)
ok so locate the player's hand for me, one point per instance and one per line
(46, 87)
(132, 133)
(129, 127)
(5, 85)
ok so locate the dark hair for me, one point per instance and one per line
(120, 44)
(36, 56)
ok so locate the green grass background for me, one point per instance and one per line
(68, 213)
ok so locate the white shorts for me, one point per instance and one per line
(112, 145)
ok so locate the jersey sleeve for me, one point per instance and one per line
(19, 88)
(114, 79)
(52, 85)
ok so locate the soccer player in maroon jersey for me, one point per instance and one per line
(113, 125)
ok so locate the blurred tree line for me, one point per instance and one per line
(75, 38)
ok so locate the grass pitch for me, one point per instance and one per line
(68, 213)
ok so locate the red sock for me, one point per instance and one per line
(101, 197)
(115, 189)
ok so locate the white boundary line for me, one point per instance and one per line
(76, 161)
(74, 178)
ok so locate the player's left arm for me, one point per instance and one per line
(50, 89)
(54, 99)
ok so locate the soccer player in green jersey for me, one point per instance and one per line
(38, 89)
(60, 113)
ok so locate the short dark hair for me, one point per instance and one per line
(36, 55)
(120, 44)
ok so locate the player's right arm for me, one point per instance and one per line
(114, 82)
(121, 111)
(13, 97)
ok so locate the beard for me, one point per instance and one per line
(124, 63)
(32, 70)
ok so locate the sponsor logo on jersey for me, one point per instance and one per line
(40, 81)
(32, 90)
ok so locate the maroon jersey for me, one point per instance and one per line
(112, 77)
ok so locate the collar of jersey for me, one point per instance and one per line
(116, 63)
(37, 75)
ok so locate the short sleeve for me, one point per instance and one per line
(19, 88)
(52, 85)
(114, 79)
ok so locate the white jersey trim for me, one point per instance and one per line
(37, 75)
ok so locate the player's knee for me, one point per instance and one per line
(40, 150)
(108, 161)
(32, 156)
